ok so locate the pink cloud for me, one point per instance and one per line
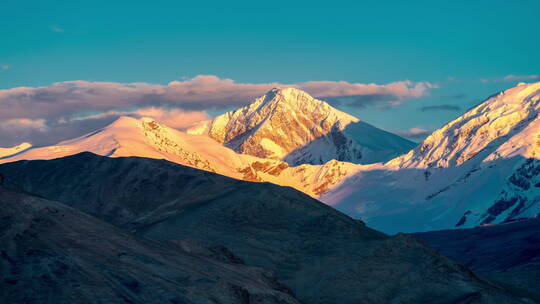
(358, 94)
(17, 130)
(18, 124)
(199, 93)
(178, 103)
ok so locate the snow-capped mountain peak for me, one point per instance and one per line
(486, 128)
(481, 168)
(144, 137)
(298, 101)
(290, 125)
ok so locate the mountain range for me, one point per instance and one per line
(138, 212)
(139, 230)
(480, 168)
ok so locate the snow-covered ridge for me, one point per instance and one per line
(145, 137)
(499, 118)
(6, 152)
(480, 168)
(288, 124)
(272, 114)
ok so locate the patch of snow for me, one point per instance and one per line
(6, 152)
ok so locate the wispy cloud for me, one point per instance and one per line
(5, 67)
(362, 95)
(178, 103)
(512, 77)
(415, 133)
(443, 107)
(56, 28)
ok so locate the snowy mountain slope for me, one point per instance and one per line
(6, 152)
(481, 168)
(387, 145)
(290, 125)
(505, 123)
(504, 253)
(146, 138)
(502, 247)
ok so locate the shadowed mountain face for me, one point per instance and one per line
(508, 253)
(51, 253)
(504, 247)
(371, 145)
(323, 255)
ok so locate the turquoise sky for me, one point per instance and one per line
(452, 43)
